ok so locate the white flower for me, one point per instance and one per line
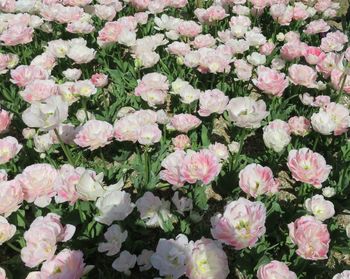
(114, 204)
(322, 123)
(171, 256)
(328, 192)
(125, 262)
(90, 187)
(183, 204)
(81, 54)
(43, 142)
(276, 135)
(347, 229)
(256, 59)
(144, 260)
(153, 210)
(46, 115)
(115, 238)
(7, 230)
(321, 208)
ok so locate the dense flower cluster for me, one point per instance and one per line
(174, 138)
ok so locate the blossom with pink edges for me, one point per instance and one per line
(275, 269)
(172, 164)
(302, 75)
(299, 125)
(9, 148)
(212, 101)
(270, 81)
(184, 122)
(311, 237)
(241, 225)
(11, 197)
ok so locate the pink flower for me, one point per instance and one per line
(299, 125)
(11, 197)
(66, 264)
(256, 180)
(275, 269)
(334, 41)
(212, 101)
(206, 40)
(344, 275)
(271, 81)
(37, 182)
(7, 230)
(42, 237)
(319, 207)
(23, 75)
(267, 48)
(314, 55)
(329, 63)
(219, 150)
(2, 273)
(39, 90)
(308, 167)
(179, 48)
(149, 134)
(17, 35)
(5, 120)
(200, 166)
(243, 69)
(311, 237)
(94, 134)
(188, 28)
(181, 142)
(172, 164)
(292, 50)
(337, 79)
(317, 26)
(9, 148)
(246, 113)
(207, 260)
(210, 15)
(302, 75)
(153, 89)
(99, 80)
(185, 122)
(241, 225)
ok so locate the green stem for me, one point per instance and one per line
(235, 161)
(64, 148)
(146, 163)
(13, 247)
(342, 83)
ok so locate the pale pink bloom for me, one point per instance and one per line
(299, 125)
(256, 180)
(181, 142)
(340, 116)
(149, 134)
(344, 275)
(39, 90)
(11, 197)
(3, 273)
(68, 14)
(200, 166)
(66, 264)
(308, 166)
(319, 207)
(213, 60)
(7, 230)
(127, 128)
(334, 41)
(238, 46)
(317, 26)
(99, 80)
(337, 77)
(153, 88)
(8, 61)
(3, 175)
(9, 148)
(172, 164)
(178, 3)
(184, 122)
(329, 63)
(270, 81)
(300, 11)
(124, 262)
(241, 225)
(314, 55)
(219, 150)
(23, 75)
(321, 101)
(212, 14)
(267, 48)
(293, 50)
(206, 40)
(243, 70)
(5, 120)
(206, 260)
(276, 135)
(141, 17)
(38, 182)
(311, 237)
(17, 35)
(83, 88)
(245, 112)
(80, 27)
(347, 54)
(275, 269)
(41, 239)
(94, 134)
(112, 31)
(212, 101)
(65, 186)
(302, 75)
(282, 13)
(104, 12)
(7, 6)
(322, 5)
(178, 48)
(182, 204)
(188, 28)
